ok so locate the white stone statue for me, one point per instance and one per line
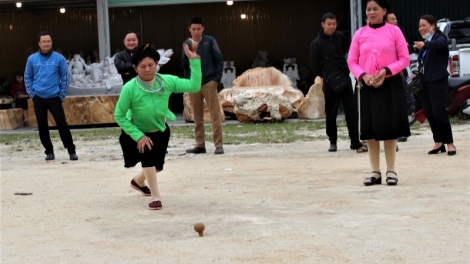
(291, 70)
(164, 57)
(229, 74)
(77, 65)
(93, 79)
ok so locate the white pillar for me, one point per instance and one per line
(356, 16)
(103, 28)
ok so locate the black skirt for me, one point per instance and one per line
(383, 110)
(150, 158)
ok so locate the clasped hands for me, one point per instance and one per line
(374, 80)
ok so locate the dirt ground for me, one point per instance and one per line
(278, 203)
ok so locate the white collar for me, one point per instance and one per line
(430, 37)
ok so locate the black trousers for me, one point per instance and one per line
(433, 98)
(54, 105)
(348, 99)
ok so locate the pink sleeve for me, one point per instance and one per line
(353, 56)
(403, 58)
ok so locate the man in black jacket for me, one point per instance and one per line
(327, 55)
(123, 59)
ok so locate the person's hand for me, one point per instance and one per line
(189, 53)
(412, 76)
(369, 80)
(379, 78)
(144, 141)
(418, 44)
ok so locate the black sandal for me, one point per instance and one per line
(391, 180)
(372, 180)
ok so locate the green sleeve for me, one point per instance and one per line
(122, 108)
(190, 85)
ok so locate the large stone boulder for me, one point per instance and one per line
(312, 105)
(262, 77)
(261, 106)
(260, 80)
(188, 113)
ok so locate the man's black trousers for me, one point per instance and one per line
(348, 99)
(54, 105)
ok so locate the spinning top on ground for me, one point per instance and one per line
(191, 44)
(199, 227)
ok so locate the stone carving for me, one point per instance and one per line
(262, 81)
(82, 110)
(312, 105)
(229, 74)
(93, 79)
(293, 96)
(261, 106)
(188, 113)
(77, 65)
(261, 60)
(164, 57)
(270, 77)
(290, 69)
(100, 78)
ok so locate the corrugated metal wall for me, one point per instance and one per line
(409, 11)
(283, 28)
(73, 32)
(279, 27)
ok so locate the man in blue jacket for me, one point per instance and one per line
(212, 66)
(47, 79)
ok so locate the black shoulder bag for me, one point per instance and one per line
(416, 84)
(337, 80)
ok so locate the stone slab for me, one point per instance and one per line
(82, 110)
(11, 118)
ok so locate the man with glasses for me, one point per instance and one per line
(47, 79)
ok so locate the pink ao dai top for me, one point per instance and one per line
(372, 49)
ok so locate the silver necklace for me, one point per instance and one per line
(151, 88)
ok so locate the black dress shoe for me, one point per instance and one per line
(196, 150)
(439, 149)
(50, 156)
(332, 148)
(219, 150)
(402, 139)
(355, 146)
(452, 152)
(73, 156)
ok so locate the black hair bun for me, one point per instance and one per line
(145, 51)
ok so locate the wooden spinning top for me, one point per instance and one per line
(199, 227)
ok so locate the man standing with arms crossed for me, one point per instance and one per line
(327, 55)
(212, 65)
(47, 79)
